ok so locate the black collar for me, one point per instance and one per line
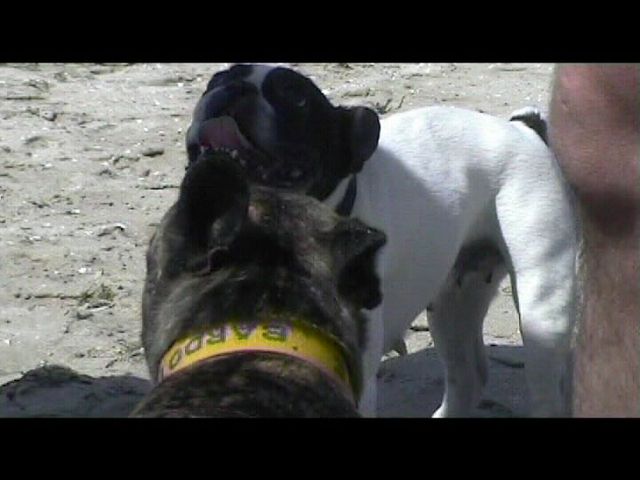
(345, 207)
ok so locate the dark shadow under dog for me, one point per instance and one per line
(58, 391)
(405, 389)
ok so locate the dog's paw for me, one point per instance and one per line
(441, 412)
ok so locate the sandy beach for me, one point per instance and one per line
(91, 156)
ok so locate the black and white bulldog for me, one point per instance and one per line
(465, 198)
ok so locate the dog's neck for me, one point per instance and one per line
(343, 198)
(345, 207)
(274, 332)
(257, 384)
(276, 365)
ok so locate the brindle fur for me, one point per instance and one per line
(225, 250)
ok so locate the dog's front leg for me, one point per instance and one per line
(368, 404)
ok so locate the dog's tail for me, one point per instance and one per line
(533, 119)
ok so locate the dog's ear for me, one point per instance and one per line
(214, 198)
(355, 246)
(362, 132)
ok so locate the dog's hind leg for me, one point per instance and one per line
(456, 317)
(539, 232)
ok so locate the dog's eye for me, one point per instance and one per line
(293, 95)
(287, 89)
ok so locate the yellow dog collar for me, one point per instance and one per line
(279, 334)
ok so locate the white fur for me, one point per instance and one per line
(441, 178)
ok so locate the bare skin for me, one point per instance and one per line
(595, 132)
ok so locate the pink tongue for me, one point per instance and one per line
(221, 132)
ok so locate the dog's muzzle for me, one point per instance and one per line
(223, 134)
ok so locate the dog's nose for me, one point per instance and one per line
(219, 101)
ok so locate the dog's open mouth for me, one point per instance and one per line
(223, 134)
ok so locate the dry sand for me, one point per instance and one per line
(91, 157)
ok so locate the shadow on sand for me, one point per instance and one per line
(413, 385)
(408, 386)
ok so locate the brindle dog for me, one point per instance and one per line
(228, 250)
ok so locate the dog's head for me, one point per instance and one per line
(226, 249)
(287, 132)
